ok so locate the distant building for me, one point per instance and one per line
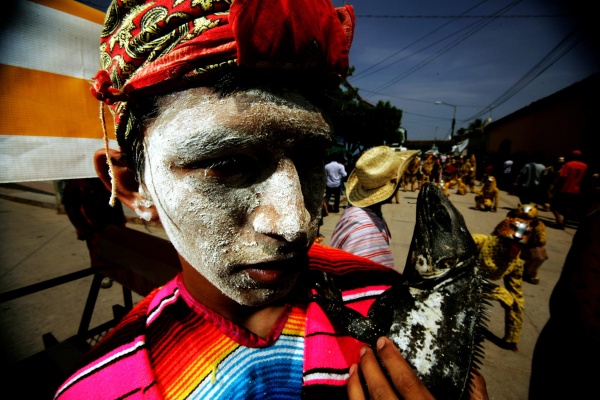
(552, 126)
(442, 146)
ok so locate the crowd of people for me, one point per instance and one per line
(556, 187)
(512, 253)
(516, 248)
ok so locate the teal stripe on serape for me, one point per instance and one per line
(273, 372)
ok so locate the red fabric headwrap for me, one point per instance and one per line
(292, 34)
(160, 45)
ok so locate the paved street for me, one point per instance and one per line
(37, 243)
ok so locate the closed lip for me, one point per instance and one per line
(275, 270)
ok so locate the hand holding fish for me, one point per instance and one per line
(435, 313)
(406, 383)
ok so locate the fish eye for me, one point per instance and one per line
(442, 218)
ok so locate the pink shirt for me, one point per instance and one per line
(362, 232)
(573, 173)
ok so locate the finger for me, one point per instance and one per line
(378, 385)
(354, 387)
(406, 382)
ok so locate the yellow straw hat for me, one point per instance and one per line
(376, 175)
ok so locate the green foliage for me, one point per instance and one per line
(362, 124)
(475, 128)
(475, 133)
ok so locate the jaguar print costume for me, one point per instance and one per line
(499, 257)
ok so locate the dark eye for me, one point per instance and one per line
(225, 167)
(442, 218)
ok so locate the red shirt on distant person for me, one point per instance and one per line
(572, 173)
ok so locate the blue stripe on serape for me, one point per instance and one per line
(273, 372)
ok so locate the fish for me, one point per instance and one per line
(436, 313)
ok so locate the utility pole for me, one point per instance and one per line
(453, 120)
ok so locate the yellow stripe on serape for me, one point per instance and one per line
(205, 365)
(296, 322)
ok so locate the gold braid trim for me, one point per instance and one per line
(113, 183)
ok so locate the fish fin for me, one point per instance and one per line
(481, 331)
(329, 297)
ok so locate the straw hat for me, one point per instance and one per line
(376, 175)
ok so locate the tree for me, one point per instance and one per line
(361, 124)
(474, 132)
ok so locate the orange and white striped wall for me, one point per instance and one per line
(50, 126)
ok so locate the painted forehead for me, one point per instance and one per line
(201, 113)
(288, 97)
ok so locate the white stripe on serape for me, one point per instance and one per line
(356, 296)
(334, 376)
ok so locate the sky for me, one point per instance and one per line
(417, 53)
(480, 59)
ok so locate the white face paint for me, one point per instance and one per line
(238, 185)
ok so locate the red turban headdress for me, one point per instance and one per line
(149, 47)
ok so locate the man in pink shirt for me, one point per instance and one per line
(568, 187)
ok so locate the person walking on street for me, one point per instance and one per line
(412, 176)
(468, 172)
(499, 259)
(86, 205)
(529, 180)
(549, 178)
(361, 229)
(568, 189)
(534, 252)
(336, 173)
(427, 169)
(506, 176)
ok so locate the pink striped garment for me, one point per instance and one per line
(140, 356)
(362, 232)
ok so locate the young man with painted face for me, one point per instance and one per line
(218, 113)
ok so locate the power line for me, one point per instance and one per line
(362, 73)
(411, 99)
(571, 40)
(425, 116)
(469, 31)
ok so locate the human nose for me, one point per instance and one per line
(281, 211)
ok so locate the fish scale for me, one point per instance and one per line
(436, 313)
